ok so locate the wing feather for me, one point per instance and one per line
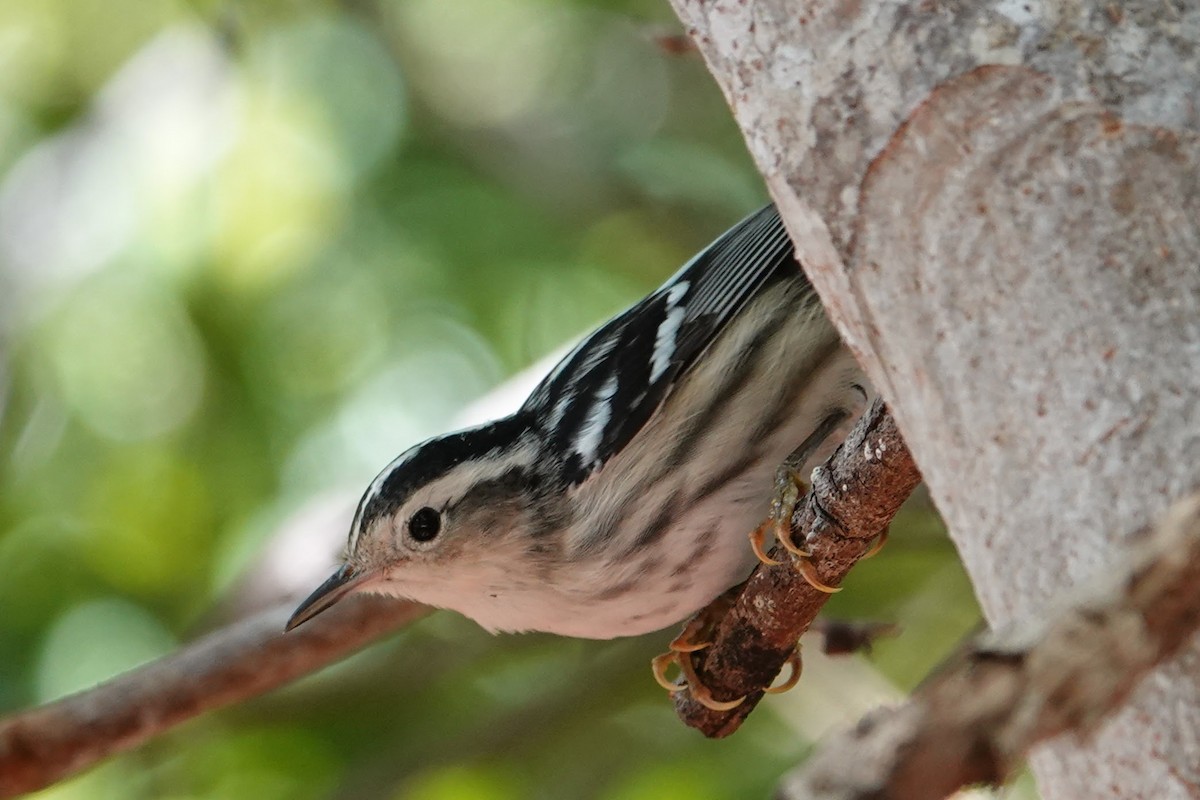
(606, 389)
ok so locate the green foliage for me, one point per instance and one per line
(250, 251)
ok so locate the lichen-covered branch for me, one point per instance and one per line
(51, 742)
(975, 719)
(853, 499)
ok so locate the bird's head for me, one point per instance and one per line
(439, 521)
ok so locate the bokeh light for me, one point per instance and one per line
(94, 641)
(251, 251)
(126, 358)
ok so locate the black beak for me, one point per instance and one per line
(335, 588)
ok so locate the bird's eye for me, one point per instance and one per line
(424, 524)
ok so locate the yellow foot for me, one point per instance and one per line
(700, 693)
(757, 538)
(789, 488)
(793, 678)
(880, 541)
(809, 572)
(696, 635)
(698, 627)
(659, 666)
(691, 681)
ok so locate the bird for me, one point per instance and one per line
(618, 498)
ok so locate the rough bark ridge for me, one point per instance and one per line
(1000, 205)
(854, 498)
(981, 711)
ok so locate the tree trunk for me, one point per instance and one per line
(1000, 204)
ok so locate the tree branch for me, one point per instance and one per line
(980, 713)
(999, 210)
(51, 742)
(238, 661)
(853, 499)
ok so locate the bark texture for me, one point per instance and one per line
(1000, 204)
(853, 499)
(976, 717)
(46, 744)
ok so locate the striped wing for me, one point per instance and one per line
(603, 392)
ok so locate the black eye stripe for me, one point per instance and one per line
(424, 524)
(435, 458)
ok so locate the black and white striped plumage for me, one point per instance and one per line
(603, 392)
(618, 498)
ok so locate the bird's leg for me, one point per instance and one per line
(696, 635)
(700, 692)
(789, 488)
(758, 538)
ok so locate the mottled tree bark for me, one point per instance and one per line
(853, 499)
(1000, 205)
(977, 716)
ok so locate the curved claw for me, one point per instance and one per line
(678, 646)
(809, 572)
(880, 541)
(783, 533)
(691, 681)
(757, 536)
(700, 692)
(683, 642)
(658, 666)
(794, 678)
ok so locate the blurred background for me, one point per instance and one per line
(251, 251)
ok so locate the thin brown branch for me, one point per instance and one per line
(853, 499)
(248, 658)
(978, 716)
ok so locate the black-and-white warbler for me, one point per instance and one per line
(617, 500)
